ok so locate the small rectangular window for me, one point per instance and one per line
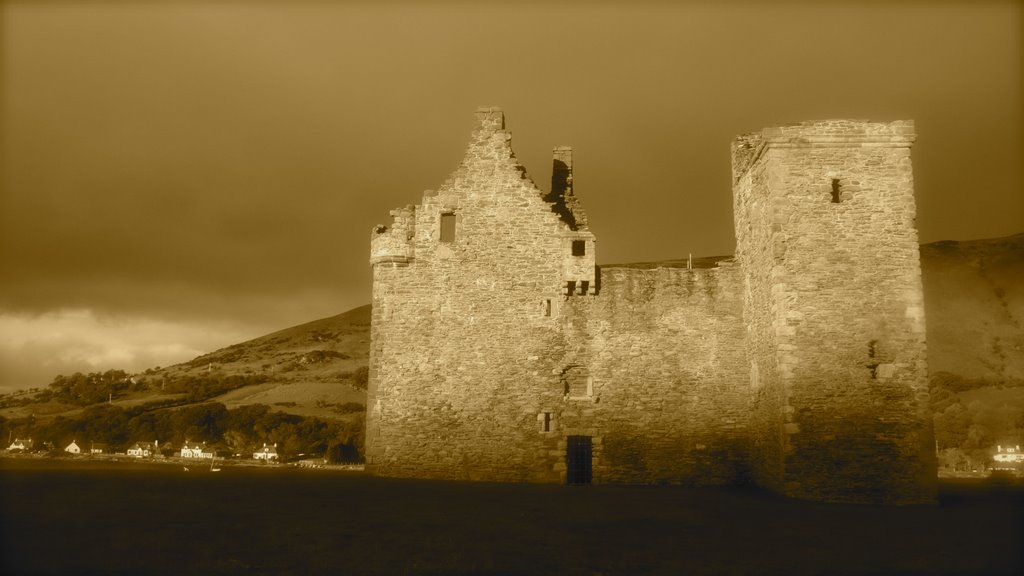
(546, 307)
(546, 422)
(579, 248)
(570, 287)
(448, 227)
(577, 383)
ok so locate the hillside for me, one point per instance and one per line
(313, 369)
(974, 307)
(321, 350)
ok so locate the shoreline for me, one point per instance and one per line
(199, 464)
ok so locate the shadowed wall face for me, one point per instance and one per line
(826, 236)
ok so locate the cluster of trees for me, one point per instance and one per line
(199, 387)
(317, 356)
(85, 389)
(187, 417)
(19, 398)
(965, 434)
(95, 387)
(236, 431)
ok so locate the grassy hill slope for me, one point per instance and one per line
(325, 350)
(313, 369)
(974, 308)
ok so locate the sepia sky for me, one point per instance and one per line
(181, 176)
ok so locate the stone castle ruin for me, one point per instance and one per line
(502, 352)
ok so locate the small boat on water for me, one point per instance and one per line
(186, 468)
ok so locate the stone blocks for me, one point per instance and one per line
(798, 365)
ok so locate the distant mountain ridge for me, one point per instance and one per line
(344, 337)
(317, 368)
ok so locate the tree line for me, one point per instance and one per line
(235, 431)
(81, 389)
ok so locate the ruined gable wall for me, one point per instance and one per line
(465, 363)
(664, 348)
(460, 360)
(832, 203)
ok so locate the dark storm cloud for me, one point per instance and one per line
(193, 162)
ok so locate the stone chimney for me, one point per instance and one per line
(562, 196)
(561, 171)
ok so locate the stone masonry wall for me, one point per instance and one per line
(495, 337)
(825, 233)
(483, 360)
(664, 349)
(753, 211)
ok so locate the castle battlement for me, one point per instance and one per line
(500, 350)
(747, 148)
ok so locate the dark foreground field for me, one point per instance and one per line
(60, 518)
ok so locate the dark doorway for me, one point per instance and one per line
(578, 458)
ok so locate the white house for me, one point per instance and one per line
(98, 448)
(194, 450)
(21, 445)
(73, 448)
(191, 450)
(143, 449)
(267, 453)
(1008, 454)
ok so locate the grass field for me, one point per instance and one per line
(296, 397)
(139, 519)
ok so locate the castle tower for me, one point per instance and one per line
(826, 241)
